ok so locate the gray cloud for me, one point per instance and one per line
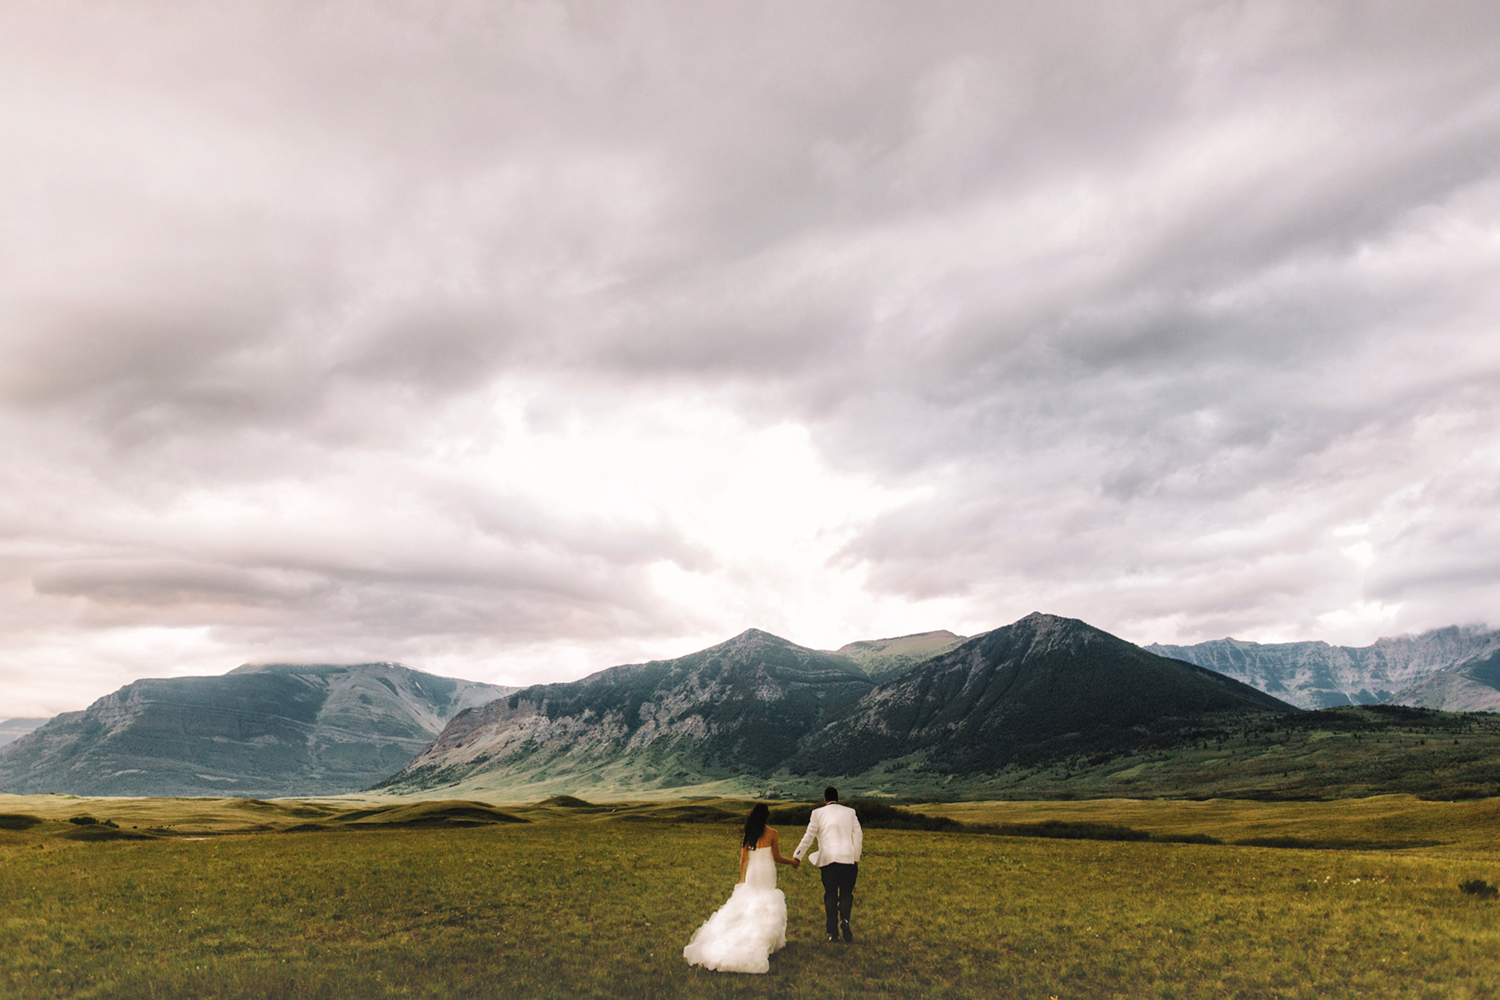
(1156, 314)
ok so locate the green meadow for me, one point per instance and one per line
(338, 899)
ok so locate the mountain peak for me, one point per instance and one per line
(313, 668)
(1049, 629)
(886, 658)
(1040, 687)
(737, 708)
(1041, 619)
(941, 634)
(755, 635)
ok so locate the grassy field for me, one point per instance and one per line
(399, 900)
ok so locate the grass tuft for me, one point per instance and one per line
(1478, 887)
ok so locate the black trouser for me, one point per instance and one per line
(838, 893)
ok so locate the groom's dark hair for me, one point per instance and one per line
(830, 794)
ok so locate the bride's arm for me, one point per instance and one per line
(776, 850)
(744, 857)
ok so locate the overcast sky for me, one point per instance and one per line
(515, 340)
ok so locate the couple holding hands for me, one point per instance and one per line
(742, 934)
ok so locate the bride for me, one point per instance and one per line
(742, 933)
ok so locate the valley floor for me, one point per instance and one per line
(598, 902)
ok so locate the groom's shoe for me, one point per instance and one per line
(848, 934)
(833, 939)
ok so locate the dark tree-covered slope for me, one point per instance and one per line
(1038, 689)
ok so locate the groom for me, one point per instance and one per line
(840, 840)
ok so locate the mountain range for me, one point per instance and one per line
(1046, 706)
(1454, 669)
(259, 731)
(761, 710)
(288, 729)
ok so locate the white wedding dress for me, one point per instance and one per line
(742, 933)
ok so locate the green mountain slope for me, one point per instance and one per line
(13, 729)
(734, 711)
(1039, 689)
(884, 659)
(256, 731)
(758, 710)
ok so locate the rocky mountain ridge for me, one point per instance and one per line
(263, 731)
(736, 708)
(1451, 669)
(1038, 689)
(930, 713)
(758, 707)
(13, 729)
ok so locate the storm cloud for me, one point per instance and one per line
(514, 340)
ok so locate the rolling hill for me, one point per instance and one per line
(257, 731)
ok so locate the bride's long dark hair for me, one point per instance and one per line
(755, 824)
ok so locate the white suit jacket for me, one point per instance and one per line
(836, 829)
